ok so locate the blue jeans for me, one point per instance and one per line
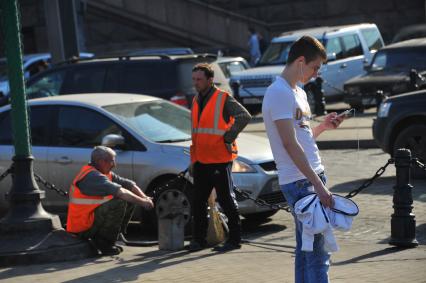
(309, 266)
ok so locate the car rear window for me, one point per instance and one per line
(86, 80)
(400, 59)
(157, 79)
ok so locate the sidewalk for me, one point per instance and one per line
(364, 254)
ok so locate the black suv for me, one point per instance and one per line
(401, 123)
(396, 68)
(168, 77)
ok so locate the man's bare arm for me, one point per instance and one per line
(288, 138)
(133, 198)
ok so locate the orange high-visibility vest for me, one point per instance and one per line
(208, 128)
(81, 207)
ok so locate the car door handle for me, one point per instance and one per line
(63, 160)
(344, 65)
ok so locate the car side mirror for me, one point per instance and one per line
(331, 57)
(113, 140)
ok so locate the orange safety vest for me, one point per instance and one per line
(208, 129)
(81, 207)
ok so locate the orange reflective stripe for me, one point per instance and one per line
(208, 128)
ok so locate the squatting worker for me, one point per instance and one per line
(101, 202)
(217, 119)
(286, 115)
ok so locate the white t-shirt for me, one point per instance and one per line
(283, 102)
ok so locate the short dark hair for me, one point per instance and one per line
(308, 47)
(206, 68)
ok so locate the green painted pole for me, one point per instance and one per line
(11, 28)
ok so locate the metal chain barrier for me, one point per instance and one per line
(50, 186)
(370, 181)
(416, 162)
(172, 183)
(5, 173)
(262, 202)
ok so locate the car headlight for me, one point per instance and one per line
(353, 89)
(242, 167)
(384, 109)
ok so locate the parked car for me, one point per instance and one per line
(164, 76)
(225, 67)
(150, 135)
(32, 65)
(410, 32)
(401, 123)
(389, 72)
(162, 51)
(348, 49)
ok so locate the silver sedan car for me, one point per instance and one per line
(150, 135)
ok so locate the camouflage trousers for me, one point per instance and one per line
(111, 218)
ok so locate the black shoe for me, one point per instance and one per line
(111, 250)
(228, 246)
(195, 246)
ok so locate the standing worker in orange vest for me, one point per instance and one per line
(217, 119)
(101, 202)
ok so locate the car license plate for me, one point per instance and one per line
(252, 100)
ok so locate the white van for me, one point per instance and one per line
(349, 48)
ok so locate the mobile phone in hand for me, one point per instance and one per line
(347, 113)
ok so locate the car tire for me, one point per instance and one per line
(260, 216)
(149, 218)
(414, 139)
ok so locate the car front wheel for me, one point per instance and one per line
(414, 139)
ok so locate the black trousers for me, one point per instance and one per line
(207, 177)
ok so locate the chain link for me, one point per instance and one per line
(171, 184)
(370, 181)
(5, 173)
(50, 186)
(416, 162)
(262, 202)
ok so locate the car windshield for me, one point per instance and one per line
(400, 60)
(275, 54)
(158, 121)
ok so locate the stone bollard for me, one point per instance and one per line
(403, 222)
(173, 210)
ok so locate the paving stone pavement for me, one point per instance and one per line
(364, 254)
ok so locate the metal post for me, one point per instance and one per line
(319, 97)
(28, 233)
(403, 223)
(379, 98)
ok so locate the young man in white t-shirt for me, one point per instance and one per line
(286, 115)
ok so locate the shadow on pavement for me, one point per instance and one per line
(381, 186)
(420, 235)
(370, 256)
